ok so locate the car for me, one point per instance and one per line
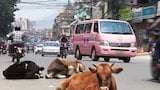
(30, 48)
(38, 48)
(51, 48)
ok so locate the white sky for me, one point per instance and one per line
(43, 12)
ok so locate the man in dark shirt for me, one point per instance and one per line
(156, 53)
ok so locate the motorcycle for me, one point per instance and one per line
(63, 51)
(3, 49)
(16, 51)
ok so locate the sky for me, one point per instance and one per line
(43, 12)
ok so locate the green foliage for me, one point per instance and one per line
(7, 9)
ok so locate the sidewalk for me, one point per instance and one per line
(143, 53)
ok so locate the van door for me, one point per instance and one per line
(86, 39)
(78, 38)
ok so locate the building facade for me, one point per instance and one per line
(142, 15)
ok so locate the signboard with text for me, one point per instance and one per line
(144, 12)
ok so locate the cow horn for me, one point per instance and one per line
(112, 64)
(95, 65)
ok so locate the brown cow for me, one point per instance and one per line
(97, 78)
(62, 68)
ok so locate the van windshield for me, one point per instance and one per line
(115, 27)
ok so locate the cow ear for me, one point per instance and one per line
(116, 70)
(41, 68)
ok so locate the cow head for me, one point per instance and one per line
(33, 68)
(79, 67)
(104, 74)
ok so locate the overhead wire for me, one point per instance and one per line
(46, 4)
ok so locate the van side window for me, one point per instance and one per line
(88, 28)
(79, 29)
(95, 27)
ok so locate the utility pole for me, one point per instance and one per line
(91, 9)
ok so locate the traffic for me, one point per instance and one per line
(92, 44)
(79, 44)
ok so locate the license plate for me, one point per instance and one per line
(120, 52)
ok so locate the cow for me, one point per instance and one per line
(96, 78)
(62, 68)
(23, 70)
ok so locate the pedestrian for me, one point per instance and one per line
(154, 36)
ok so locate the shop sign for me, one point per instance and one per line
(143, 12)
(125, 13)
(136, 12)
(148, 12)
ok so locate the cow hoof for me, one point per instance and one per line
(59, 76)
(41, 76)
(48, 77)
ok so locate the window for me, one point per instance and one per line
(115, 28)
(79, 29)
(95, 27)
(88, 28)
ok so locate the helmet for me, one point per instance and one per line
(17, 28)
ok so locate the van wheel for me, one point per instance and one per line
(78, 55)
(106, 59)
(126, 59)
(94, 55)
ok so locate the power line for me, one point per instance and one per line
(38, 3)
(44, 4)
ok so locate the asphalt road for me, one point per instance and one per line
(136, 74)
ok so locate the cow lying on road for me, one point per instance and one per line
(62, 68)
(97, 78)
(23, 70)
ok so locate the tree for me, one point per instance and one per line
(114, 6)
(7, 9)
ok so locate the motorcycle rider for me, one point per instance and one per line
(63, 47)
(16, 41)
(155, 65)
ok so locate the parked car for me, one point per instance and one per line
(51, 48)
(38, 48)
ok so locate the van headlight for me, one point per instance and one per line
(104, 43)
(133, 44)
